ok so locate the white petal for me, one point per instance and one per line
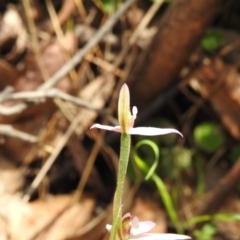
(151, 131)
(106, 127)
(135, 222)
(109, 227)
(159, 236)
(143, 227)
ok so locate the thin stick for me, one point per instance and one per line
(37, 96)
(77, 58)
(8, 130)
(49, 162)
(81, 9)
(98, 143)
(143, 24)
(60, 36)
(145, 21)
(52, 93)
(34, 38)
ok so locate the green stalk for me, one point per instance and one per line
(122, 169)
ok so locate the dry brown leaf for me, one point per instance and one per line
(53, 57)
(53, 218)
(16, 149)
(97, 93)
(77, 149)
(231, 229)
(95, 229)
(11, 177)
(12, 30)
(9, 73)
(219, 83)
(68, 223)
(147, 210)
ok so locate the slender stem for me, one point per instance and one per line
(122, 169)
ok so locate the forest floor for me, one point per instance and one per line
(62, 64)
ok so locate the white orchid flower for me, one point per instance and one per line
(131, 229)
(126, 119)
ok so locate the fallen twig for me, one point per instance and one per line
(61, 143)
(106, 89)
(40, 95)
(76, 59)
(10, 110)
(8, 130)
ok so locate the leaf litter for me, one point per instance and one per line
(54, 182)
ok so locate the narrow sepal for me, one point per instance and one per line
(106, 127)
(159, 236)
(151, 131)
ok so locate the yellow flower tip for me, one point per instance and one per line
(123, 109)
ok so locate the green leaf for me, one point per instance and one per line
(206, 218)
(109, 6)
(208, 137)
(166, 1)
(207, 232)
(212, 40)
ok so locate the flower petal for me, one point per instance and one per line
(159, 236)
(151, 131)
(135, 222)
(106, 127)
(143, 227)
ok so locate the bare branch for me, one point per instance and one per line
(40, 95)
(80, 118)
(8, 130)
(76, 59)
(10, 110)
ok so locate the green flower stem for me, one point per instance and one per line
(122, 169)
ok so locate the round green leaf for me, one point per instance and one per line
(208, 137)
(212, 40)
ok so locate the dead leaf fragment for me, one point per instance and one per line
(9, 73)
(220, 84)
(12, 30)
(147, 210)
(54, 218)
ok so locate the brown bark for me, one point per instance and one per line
(180, 30)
